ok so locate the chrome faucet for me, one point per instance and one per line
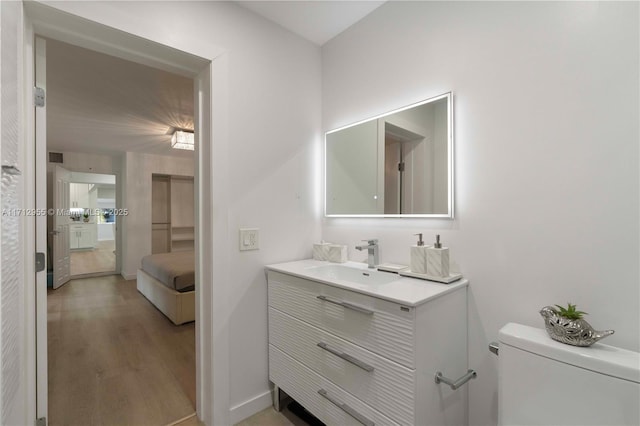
(372, 250)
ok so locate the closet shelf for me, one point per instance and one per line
(173, 213)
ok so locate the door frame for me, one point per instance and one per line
(117, 268)
(208, 66)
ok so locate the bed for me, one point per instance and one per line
(168, 281)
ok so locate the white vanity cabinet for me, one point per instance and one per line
(368, 355)
(82, 236)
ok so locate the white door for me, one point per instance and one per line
(60, 256)
(392, 177)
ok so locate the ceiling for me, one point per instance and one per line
(317, 21)
(102, 104)
(106, 105)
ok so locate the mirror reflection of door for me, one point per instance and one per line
(407, 159)
(393, 173)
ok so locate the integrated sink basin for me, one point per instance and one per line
(350, 274)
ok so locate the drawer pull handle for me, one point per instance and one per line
(347, 409)
(347, 305)
(347, 357)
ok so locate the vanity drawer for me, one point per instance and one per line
(380, 326)
(325, 400)
(381, 383)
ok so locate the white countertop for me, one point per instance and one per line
(404, 290)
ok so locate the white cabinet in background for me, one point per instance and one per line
(350, 356)
(82, 236)
(75, 194)
(82, 195)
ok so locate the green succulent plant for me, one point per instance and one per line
(569, 312)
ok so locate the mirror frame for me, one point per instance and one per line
(450, 180)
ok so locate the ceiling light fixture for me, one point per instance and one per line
(182, 139)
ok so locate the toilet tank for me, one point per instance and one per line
(544, 382)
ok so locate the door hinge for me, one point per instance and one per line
(401, 167)
(40, 262)
(41, 421)
(38, 96)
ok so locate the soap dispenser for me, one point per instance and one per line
(419, 256)
(438, 259)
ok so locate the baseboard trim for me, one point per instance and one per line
(92, 275)
(129, 276)
(185, 418)
(250, 407)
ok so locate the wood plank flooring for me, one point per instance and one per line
(266, 417)
(114, 359)
(270, 417)
(101, 259)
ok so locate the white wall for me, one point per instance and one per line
(546, 155)
(136, 225)
(14, 327)
(88, 163)
(272, 113)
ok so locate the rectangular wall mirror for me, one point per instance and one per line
(399, 164)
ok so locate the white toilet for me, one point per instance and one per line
(544, 382)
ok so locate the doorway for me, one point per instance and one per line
(92, 234)
(85, 235)
(43, 20)
(117, 113)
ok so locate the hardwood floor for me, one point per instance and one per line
(266, 417)
(114, 359)
(101, 259)
(270, 417)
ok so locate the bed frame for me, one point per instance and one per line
(178, 307)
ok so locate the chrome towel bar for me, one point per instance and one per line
(456, 384)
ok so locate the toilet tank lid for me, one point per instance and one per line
(598, 357)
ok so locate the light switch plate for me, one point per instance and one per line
(249, 239)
